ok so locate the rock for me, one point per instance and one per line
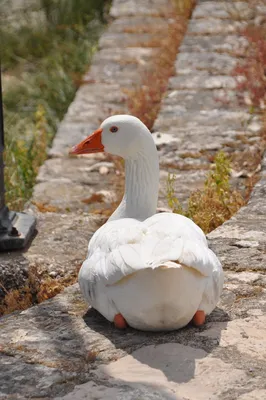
(53, 274)
(62, 350)
(68, 135)
(202, 81)
(46, 253)
(215, 63)
(237, 10)
(138, 24)
(124, 55)
(165, 372)
(189, 120)
(202, 99)
(114, 40)
(232, 44)
(215, 26)
(104, 170)
(153, 8)
(253, 395)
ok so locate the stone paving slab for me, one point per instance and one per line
(68, 168)
(151, 8)
(202, 99)
(200, 112)
(202, 81)
(230, 140)
(58, 249)
(137, 25)
(229, 44)
(68, 350)
(128, 55)
(241, 241)
(69, 134)
(189, 120)
(114, 40)
(216, 26)
(215, 63)
(234, 10)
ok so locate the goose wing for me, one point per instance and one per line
(122, 247)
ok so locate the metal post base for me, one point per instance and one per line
(21, 232)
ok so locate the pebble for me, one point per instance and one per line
(104, 170)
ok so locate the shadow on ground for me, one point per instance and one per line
(172, 353)
(51, 348)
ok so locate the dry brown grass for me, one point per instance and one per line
(253, 84)
(16, 299)
(253, 69)
(36, 289)
(44, 207)
(145, 99)
(94, 198)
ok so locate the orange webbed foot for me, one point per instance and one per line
(199, 318)
(120, 321)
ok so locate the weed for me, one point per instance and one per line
(252, 90)
(94, 198)
(44, 207)
(172, 200)
(253, 69)
(16, 299)
(47, 49)
(36, 289)
(183, 7)
(25, 153)
(144, 100)
(215, 203)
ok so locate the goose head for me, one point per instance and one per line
(126, 136)
(121, 135)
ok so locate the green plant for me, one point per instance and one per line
(47, 50)
(215, 203)
(36, 30)
(172, 200)
(252, 87)
(25, 153)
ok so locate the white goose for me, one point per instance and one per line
(150, 271)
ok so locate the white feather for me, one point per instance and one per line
(154, 269)
(125, 247)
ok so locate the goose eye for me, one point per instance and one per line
(113, 129)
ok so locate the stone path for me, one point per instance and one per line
(50, 349)
(64, 183)
(200, 114)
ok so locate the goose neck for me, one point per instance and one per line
(141, 187)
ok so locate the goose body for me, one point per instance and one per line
(155, 270)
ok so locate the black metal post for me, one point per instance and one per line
(16, 229)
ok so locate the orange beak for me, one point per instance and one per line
(92, 144)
